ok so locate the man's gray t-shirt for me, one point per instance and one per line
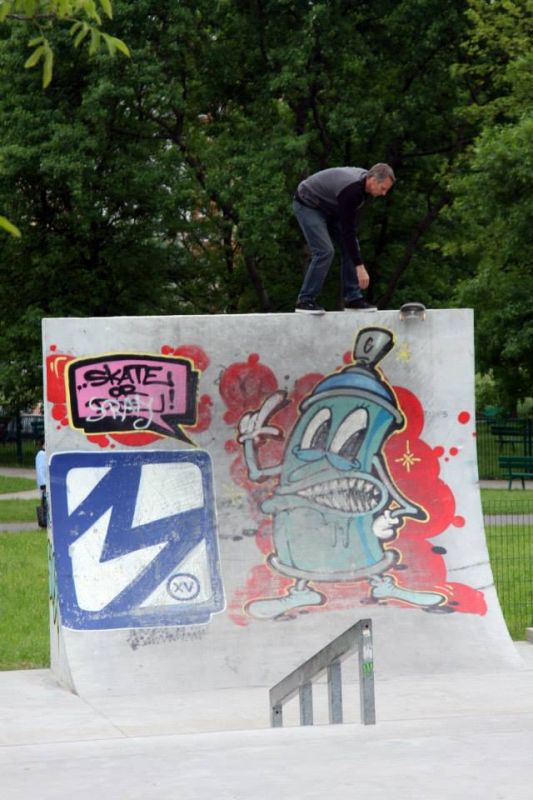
(339, 192)
(322, 189)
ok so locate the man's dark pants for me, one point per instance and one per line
(321, 233)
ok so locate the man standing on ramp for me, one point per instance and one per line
(327, 206)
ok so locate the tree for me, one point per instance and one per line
(493, 195)
(93, 206)
(41, 15)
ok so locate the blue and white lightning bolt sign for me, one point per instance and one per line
(135, 539)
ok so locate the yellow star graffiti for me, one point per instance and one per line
(408, 459)
(403, 352)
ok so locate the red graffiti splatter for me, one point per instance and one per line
(463, 417)
(101, 440)
(59, 412)
(195, 354)
(134, 439)
(55, 377)
(464, 598)
(414, 467)
(244, 386)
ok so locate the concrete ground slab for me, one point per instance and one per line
(414, 760)
(435, 738)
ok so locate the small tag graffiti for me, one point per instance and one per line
(151, 636)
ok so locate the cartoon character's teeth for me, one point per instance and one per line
(351, 495)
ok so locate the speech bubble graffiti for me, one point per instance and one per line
(132, 392)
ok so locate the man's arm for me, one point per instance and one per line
(350, 200)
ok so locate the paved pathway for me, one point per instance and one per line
(18, 472)
(17, 527)
(508, 519)
(503, 485)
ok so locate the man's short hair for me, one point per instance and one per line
(381, 172)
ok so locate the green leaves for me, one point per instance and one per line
(107, 7)
(85, 25)
(113, 44)
(9, 227)
(42, 51)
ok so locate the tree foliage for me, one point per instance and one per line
(84, 18)
(493, 204)
(93, 207)
(41, 15)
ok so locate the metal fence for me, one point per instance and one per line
(509, 532)
(501, 437)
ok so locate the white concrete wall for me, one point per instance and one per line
(177, 568)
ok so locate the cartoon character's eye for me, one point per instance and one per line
(315, 435)
(350, 434)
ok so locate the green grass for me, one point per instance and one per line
(8, 454)
(10, 483)
(487, 453)
(503, 501)
(18, 511)
(24, 628)
(511, 556)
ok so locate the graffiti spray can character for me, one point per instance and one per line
(335, 505)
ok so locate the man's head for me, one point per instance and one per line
(379, 180)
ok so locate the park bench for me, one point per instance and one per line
(512, 434)
(520, 467)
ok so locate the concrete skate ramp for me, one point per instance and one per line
(229, 493)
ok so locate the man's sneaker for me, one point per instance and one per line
(359, 305)
(309, 307)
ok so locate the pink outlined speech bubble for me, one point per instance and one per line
(132, 392)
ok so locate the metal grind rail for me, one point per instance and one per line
(358, 637)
